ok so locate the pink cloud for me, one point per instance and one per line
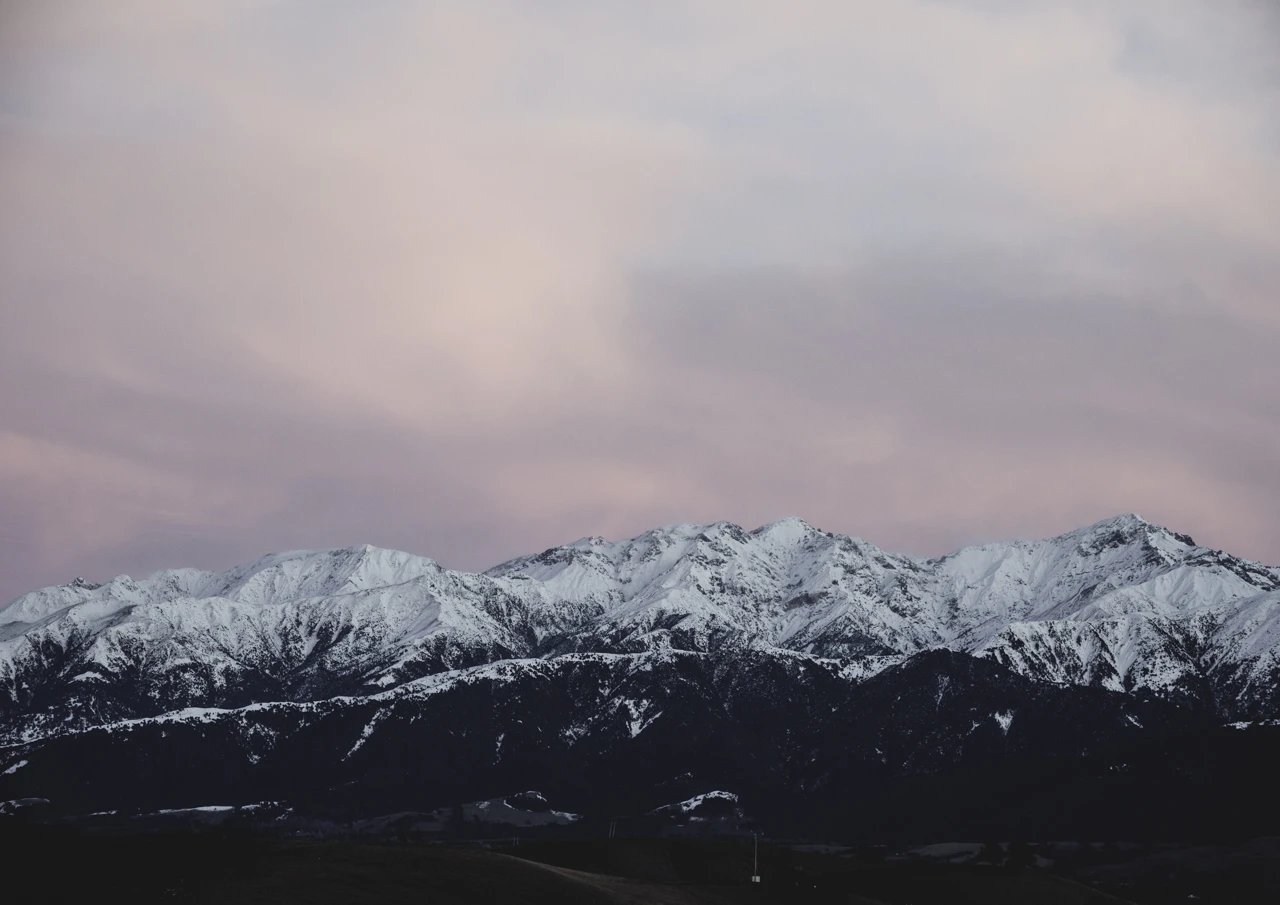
(472, 279)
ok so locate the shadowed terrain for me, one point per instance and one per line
(217, 867)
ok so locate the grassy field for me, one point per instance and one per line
(49, 863)
(50, 866)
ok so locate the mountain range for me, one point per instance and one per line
(784, 665)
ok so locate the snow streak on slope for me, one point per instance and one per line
(1123, 604)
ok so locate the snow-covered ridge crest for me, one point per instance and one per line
(1123, 603)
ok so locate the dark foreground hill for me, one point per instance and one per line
(942, 746)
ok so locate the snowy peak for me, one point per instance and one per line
(273, 579)
(1129, 531)
(283, 577)
(789, 530)
(687, 585)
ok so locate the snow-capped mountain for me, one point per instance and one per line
(1123, 604)
(785, 664)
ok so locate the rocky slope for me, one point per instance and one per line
(620, 732)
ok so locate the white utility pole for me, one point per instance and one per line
(755, 859)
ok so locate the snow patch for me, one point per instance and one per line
(366, 732)
(692, 804)
(1005, 719)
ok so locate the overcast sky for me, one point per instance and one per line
(470, 279)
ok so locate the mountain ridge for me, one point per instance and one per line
(1122, 604)
(805, 672)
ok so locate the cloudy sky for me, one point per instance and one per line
(474, 278)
